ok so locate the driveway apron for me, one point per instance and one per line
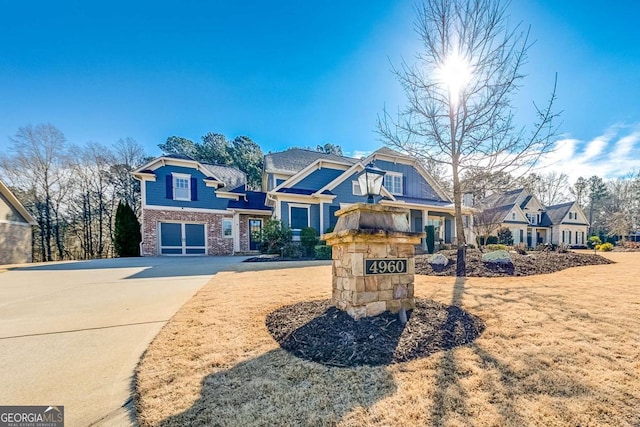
(72, 333)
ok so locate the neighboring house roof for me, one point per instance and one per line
(508, 198)
(557, 213)
(296, 159)
(504, 202)
(15, 203)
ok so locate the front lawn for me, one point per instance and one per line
(558, 349)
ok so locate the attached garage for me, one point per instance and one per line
(182, 238)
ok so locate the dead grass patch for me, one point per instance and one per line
(558, 349)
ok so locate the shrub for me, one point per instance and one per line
(546, 247)
(594, 241)
(491, 240)
(309, 240)
(504, 236)
(496, 247)
(521, 248)
(274, 236)
(431, 237)
(604, 247)
(293, 250)
(126, 232)
(322, 252)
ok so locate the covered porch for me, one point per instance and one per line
(538, 236)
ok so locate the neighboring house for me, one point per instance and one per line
(532, 223)
(193, 208)
(15, 229)
(305, 189)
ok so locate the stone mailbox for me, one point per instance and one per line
(372, 260)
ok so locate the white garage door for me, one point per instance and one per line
(179, 238)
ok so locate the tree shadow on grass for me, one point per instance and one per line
(510, 383)
(278, 389)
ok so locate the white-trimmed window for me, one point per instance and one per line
(393, 182)
(298, 216)
(355, 188)
(227, 228)
(513, 216)
(181, 186)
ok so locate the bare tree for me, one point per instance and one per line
(550, 189)
(127, 155)
(37, 164)
(485, 222)
(459, 94)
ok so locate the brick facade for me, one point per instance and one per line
(217, 245)
(15, 243)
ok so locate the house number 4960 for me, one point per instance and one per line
(385, 266)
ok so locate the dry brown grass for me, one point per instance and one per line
(559, 349)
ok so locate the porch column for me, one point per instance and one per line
(321, 231)
(425, 221)
(236, 232)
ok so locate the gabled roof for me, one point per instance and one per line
(508, 198)
(296, 159)
(227, 176)
(556, 213)
(406, 159)
(13, 200)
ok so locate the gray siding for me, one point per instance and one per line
(8, 212)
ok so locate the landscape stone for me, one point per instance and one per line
(497, 257)
(439, 260)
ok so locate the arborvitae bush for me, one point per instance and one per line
(431, 237)
(126, 233)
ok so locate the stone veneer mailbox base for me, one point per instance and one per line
(372, 260)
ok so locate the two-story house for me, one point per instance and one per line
(305, 188)
(193, 208)
(531, 223)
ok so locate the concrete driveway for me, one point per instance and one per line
(72, 333)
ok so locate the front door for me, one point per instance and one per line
(255, 229)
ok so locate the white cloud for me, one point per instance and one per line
(613, 154)
(358, 154)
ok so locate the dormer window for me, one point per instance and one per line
(393, 183)
(181, 186)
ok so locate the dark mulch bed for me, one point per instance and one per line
(276, 258)
(523, 265)
(319, 332)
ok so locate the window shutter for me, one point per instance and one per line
(404, 185)
(169, 181)
(194, 189)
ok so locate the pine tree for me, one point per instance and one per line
(127, 236)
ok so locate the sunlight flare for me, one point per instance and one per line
(455, 73)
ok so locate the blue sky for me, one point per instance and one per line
(296, 73)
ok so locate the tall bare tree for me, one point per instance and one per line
(459, 92)
(550, 188)
(37, 163)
